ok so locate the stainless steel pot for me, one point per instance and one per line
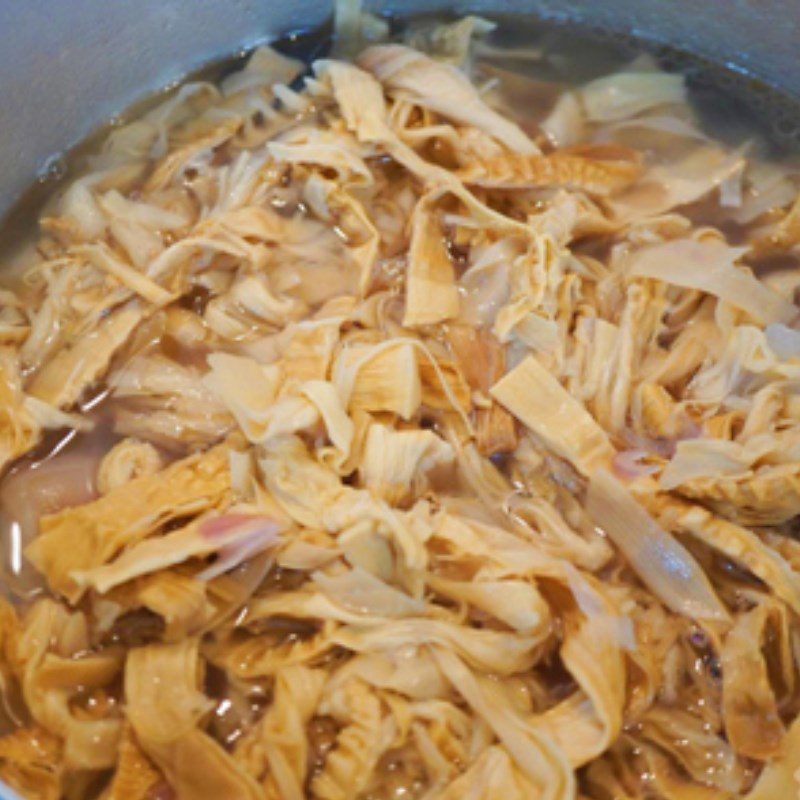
(66, 66)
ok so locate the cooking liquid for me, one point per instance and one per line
(530, 64)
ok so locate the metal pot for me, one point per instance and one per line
(68, 67)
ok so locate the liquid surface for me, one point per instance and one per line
(732, 105)
(425, 428)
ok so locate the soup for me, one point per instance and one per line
(422, 424)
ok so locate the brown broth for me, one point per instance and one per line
(554, 62)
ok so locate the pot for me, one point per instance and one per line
(66, 68)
